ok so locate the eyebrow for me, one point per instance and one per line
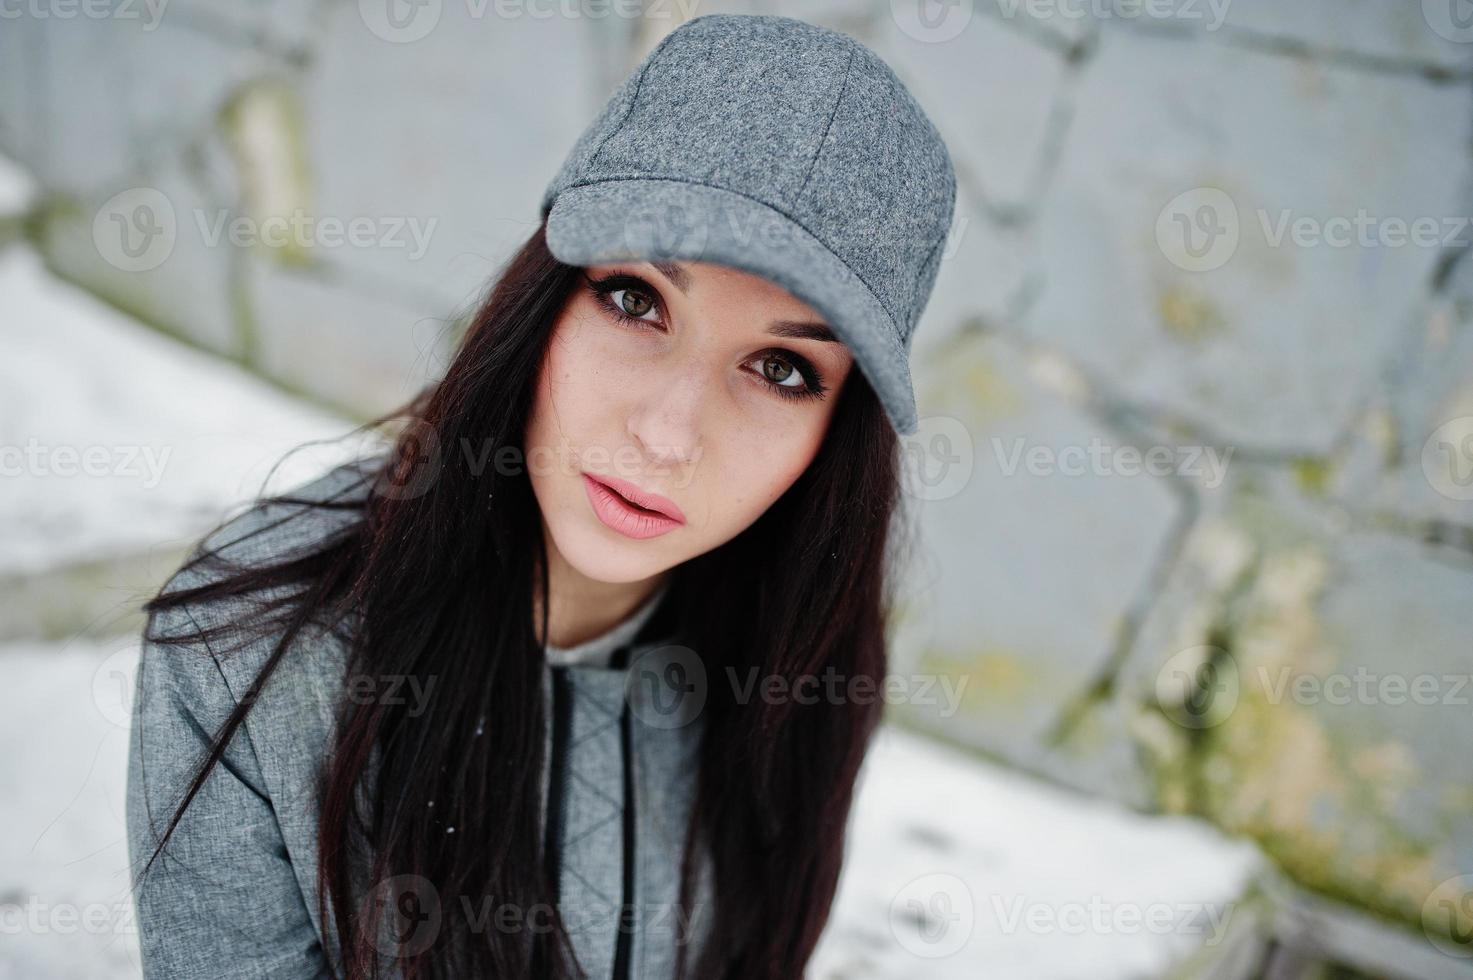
(795, 329)
(804, 330)
(674, 272)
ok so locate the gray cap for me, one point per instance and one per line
(781, 148)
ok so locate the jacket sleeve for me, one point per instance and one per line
(222, 900)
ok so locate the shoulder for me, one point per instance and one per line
(291, 523)
(298, 519)
(211, 676)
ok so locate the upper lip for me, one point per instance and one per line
(650, 501)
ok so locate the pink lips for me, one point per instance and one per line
(625, 508)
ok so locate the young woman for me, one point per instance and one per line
(534, 692)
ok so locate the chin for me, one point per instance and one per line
(605, 555)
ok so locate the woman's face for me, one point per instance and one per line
(689, 380)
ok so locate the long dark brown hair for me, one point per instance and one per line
(439, 583)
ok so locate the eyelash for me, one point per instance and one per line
(812, 387)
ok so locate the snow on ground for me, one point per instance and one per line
(65, 907)
(116, 438)
(958, 868)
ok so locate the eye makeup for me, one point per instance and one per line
(606, 288)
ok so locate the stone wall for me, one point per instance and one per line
(1195, 482)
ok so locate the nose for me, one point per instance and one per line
(666, 420)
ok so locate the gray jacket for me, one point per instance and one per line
(234, 894)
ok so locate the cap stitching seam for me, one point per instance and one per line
(818, 152)
(925, 265)
(686, 180)
(633, 101)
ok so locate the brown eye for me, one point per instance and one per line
(784, 374)
(635, 303)
(627, 300)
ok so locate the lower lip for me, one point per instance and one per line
(622, 516)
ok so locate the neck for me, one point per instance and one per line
(582, 607)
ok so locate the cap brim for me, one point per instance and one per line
(645, 218)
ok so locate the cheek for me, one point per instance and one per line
(757, 467)
(579, 376)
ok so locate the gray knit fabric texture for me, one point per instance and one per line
(664, 767)
(782, 148)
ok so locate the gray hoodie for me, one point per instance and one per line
(235, 893)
